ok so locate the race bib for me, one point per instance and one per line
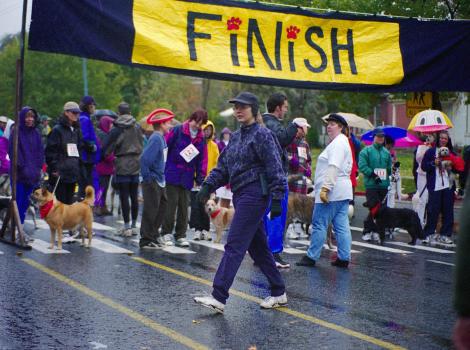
(302, 152)
(72, 150)
(381, 173)
(189, 153)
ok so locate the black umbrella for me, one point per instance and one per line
(102, 112)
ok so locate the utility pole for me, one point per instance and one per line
(85, 77)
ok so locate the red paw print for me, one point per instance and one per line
(234, 23)
(292, 32)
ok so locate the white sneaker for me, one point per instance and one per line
(197, 235)
(182, 242)
(273, 302)
(367, 236)
(430, 239)
(165, 242)
(375, 237)
(206, 235)
(291, 234)
(446, 240)
(211, 303)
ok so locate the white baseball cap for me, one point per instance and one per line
(3, 119)
(302, 122)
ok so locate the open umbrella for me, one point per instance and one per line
(102, 112)
(393, 131)
(354, 121)
(430, 121)
(409, 141)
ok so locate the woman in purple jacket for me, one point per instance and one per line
(30, 157)
(186, 164)
(252, 164)
(105, 168)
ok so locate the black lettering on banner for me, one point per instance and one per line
(291, 56)
(253, 29)
(192, 34)
(335, 47)
(277, 46)
(234, 49)
(308, 38)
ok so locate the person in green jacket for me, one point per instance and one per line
(375, 163)
(462, 278)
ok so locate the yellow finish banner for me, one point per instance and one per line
(239, 41)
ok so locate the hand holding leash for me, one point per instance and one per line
(204, 194)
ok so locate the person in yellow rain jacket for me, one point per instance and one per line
(199, 220)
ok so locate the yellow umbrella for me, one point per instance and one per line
(430, 121)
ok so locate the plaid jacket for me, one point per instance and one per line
(299, 165)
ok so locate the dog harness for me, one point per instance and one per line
(215, 213)
(46, 208)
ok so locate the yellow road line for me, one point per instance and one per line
(317, 321)
(114, 305)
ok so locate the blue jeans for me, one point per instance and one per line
(323, 214)
(275, 228)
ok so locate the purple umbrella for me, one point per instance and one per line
(409, 141)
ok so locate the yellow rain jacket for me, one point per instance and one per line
(212, 149)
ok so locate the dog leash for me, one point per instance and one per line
(56, 184)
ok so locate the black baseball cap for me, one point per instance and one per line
(333, 117)
(378, 132)
(247, 98)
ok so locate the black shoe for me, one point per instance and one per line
(340, 263)
(306, 261)
(151, 245)
(281, 264)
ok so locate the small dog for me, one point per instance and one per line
(220, 217)
(385, 217)
(300, 207)
(60, 216)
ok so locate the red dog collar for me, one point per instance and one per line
(215, 213)
(46, 208)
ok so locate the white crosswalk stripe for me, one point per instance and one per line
(218, 246)
(382, 248)
(441, 262)
(290, 250)
(137, 224)
(172, 250)
(108, 247)
(325, 246)
(1, 253)
(420, 247)
(43, 247)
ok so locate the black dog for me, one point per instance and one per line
(385, 217)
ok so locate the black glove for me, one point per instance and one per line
(276, 208)
(204, 194)
(376, 178)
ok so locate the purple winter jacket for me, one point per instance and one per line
(30, 150)
(4, 160)
(177, 171)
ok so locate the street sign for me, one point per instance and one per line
(417, 102)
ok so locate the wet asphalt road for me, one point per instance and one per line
(93, 299)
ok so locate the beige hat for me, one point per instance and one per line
(301, 122)
(3, 119)
(72, 107)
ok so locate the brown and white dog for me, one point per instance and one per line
(220, 217)
(60, 216)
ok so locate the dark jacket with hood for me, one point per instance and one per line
(57, 157)
(30, 150)
(127, 143)
(253, 152)
(285, 135)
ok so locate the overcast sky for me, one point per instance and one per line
(10, 16)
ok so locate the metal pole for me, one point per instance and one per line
(85, 77)
(13, 210)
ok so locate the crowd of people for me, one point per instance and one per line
(179, 165)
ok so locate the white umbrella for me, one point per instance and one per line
(227, 113)
(354, 121)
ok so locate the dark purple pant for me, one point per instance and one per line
(247, 233)
(440, 202)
